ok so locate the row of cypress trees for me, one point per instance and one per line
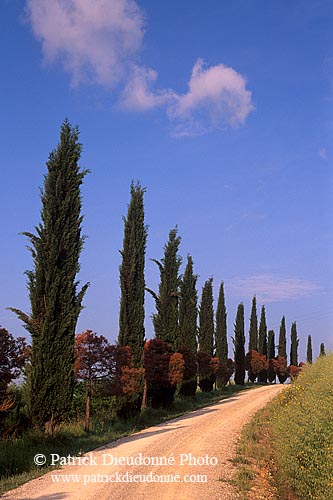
(56, 298)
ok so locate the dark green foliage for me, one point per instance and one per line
(188, 309)
(262, 343)
(271, 345)
(221, 337)
(239, 346)
(253, 332)
(132, 279)
(54, 296)
(322, 350)
(282, 348)
(206, 319)
(221, 328)
(294, 345)
(262, 340)
(165, 321)
(271, 355)
(309, 350)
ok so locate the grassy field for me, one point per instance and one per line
(286, 452)
(16, 455)
(302, 425)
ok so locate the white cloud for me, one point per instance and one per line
(217, 97)
(99, 42)
(138, 94)
(323, 153)
(95, 40)
(273, 288)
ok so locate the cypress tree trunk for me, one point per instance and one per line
(206, 319)
(239, 346)
(165, 321)
(88, 405)
(282, 348)
(221, 336)
(294, 345)
(132, 280)
(309, 350)
(55, 299)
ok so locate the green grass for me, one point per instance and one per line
(16, 455)
(290, 441)
(302, 425)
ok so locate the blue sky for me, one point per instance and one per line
(223, 111)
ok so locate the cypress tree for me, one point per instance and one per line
(253, 332)
(294, 345)
(282, 348)
(262, 339)
(221, 337)
(206, 319)
(262, 343)
(165, 321)
(322, 350)
(271, 345)
(309, 350)
(221, 328)
(239, 346)
(188, 309)
(53, 290)
(132, 279)
(270, 356)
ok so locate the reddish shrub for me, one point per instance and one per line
(294, 371)
(280, 367)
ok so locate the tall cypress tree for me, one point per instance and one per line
(253, 332)
(262, 339)
(188, 308)
(221, 328)
(322, 351)
(262, 343)
(132, 279)
(294, 345)
(239, 346)
(271, 345)
(206, 319)
(165, 321)
(309, 350)
(282, 348)
(53, 288)
(271, 355)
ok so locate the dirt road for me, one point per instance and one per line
(184, 459)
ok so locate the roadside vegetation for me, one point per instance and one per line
(286, 451)
(16, 455)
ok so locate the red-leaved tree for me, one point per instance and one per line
(14, 354)
(207, 370)
(163, 371)
(255, 363)
(94, 360)
(280, 368)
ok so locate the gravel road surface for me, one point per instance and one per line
(184, 459)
